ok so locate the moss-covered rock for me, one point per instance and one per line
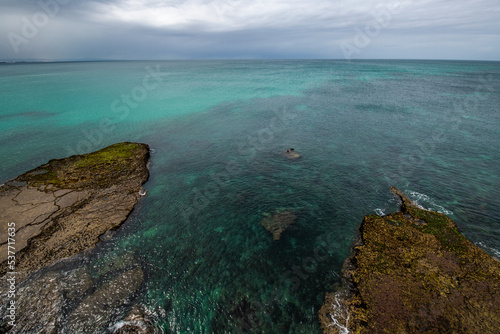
(413, 272)
(62, 207)
(100, 169)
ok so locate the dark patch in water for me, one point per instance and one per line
(35, 114)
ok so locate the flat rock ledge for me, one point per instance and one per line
(413, 272)
(62, 208)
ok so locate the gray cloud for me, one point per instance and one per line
(152, 29)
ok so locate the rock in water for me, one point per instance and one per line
(413, 272)
(278, 222)
(292, 154)
(61, 208)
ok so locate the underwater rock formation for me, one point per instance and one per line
(61, 208)
(278, 222)
(413, 272)
(96, 310)
(71, 297)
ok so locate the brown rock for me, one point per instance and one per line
(414, 272)
(61, 208)
(292, 154)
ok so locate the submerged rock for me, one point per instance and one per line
(278, 222)
(61, 208)
(96, 310)
(292, 154)
(70, 297)
(42, 299)
(413, 272)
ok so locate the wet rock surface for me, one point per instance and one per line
(96, 310)
(41, 301)
(292, 154)
(61, 208)
(136, 322)
(70, 297)
(413, 272)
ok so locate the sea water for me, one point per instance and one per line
(218, 130)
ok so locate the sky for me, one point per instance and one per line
(249, 29)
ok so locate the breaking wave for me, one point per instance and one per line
(340, 315)
(426, 202)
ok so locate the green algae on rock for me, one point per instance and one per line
(62, 207)
(413, 272)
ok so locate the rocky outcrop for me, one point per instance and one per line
(278, 222)
(61, 208)
(292, 154)
(413, 272)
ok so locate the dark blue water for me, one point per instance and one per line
(218, 130)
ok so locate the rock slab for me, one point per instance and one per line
(61, 208)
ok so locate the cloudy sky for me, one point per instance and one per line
(214, 29)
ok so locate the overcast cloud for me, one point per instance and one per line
(192, 29)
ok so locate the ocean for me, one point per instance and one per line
(218, 130)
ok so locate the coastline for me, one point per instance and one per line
(413, 271)
(63, 207)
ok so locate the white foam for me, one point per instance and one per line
(340, 315)
(426, 202)
(122, 323)
(380, 212)
(117, 326)
(495, 251)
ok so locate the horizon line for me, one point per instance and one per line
(35, 60)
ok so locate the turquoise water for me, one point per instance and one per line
(218, 130)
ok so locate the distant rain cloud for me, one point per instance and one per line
(191, 29)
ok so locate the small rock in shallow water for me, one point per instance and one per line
(292, 154)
